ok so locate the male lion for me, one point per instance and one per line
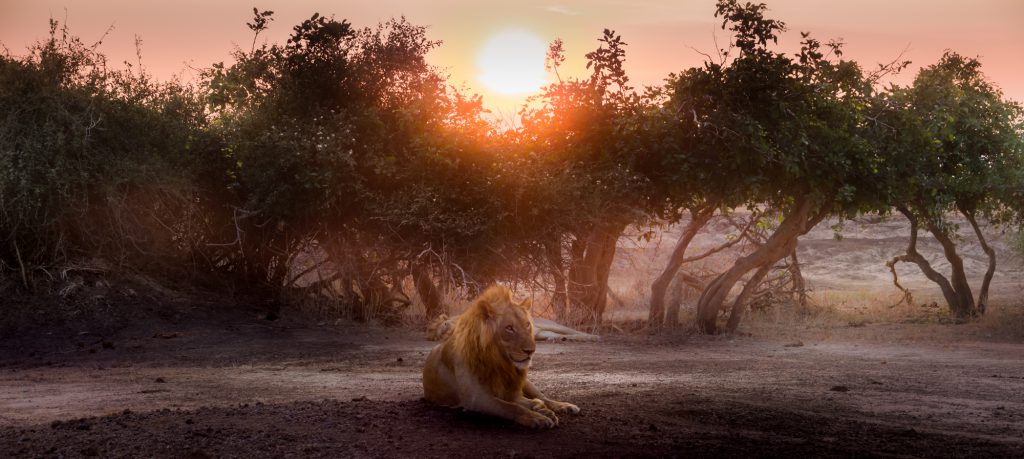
(482, 366)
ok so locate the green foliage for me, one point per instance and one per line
(952, 143)
(762, 127)
(343, 144)
(344, 130)
(93, 162)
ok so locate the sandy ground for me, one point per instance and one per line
(251, 388)
(202, 380)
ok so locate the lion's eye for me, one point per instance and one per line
(510, 329)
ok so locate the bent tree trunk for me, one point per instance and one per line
(964, 305)
(592, 259)
(982, 303)
(913, 256)
(699, 218)
(739, 305)
(779, 244)
(956, 290)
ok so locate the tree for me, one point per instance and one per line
(788, 135)
(341, 141)
(952, 144)
(96, 164)
(681, 158)
(585, 133)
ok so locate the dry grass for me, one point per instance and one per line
(863, 315)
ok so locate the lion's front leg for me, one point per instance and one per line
(522, 415)
(473, 397)
(530, 391)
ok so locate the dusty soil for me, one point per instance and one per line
(131, 370)
(238, 386)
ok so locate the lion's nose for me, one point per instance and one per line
(529, 351)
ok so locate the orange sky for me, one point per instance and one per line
(661, 33)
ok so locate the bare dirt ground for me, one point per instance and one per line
(247, 388)
(156, 376)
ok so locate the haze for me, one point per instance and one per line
(664, 35)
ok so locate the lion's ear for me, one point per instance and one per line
(486, 307)
(527, 304)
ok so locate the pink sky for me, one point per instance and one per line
(661, 33)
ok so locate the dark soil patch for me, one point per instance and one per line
(201, 381)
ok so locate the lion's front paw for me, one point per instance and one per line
(539, 406)
(563, 407)
(550, 414)
(535, 420)
(536, 404)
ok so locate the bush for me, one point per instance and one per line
(94, 163)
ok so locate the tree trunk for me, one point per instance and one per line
(778, 245)
(682, 281)
(588, 292)
(553, 250)
(799, 286)
(427, 291)
(739, 305)
(575, 288)
(964, 305)
(676, 301)
(982, 304)
(607, 241)
(912, 256)
(699, 218)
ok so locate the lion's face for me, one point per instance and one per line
(514, 332)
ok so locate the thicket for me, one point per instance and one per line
(340, 166)
(95, 163)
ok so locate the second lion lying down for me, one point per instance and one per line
(482, 365)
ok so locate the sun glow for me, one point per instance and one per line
(511, 62)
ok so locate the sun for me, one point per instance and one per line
(511, 62)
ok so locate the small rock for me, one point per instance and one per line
(361, 398)
(840, 389)
(160, 380)
(797, 343)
